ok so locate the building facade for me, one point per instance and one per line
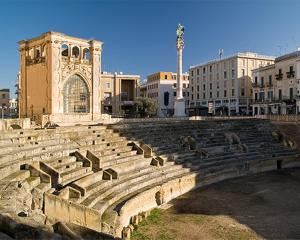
(60, 80)
(143, 90)
(4, 102)
(118, 92)
(224, 86)
(276, 88)
(161, 86)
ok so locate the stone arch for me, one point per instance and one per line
(86, 54)
(76, 95)
(75, 52)
(64, 50)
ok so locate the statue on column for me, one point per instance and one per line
(179, 34)
(179, 102)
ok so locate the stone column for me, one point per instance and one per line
(179, 103)
(23, 80)
(96, 48)
(179, 73)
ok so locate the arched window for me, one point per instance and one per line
(75, 52)
(64, 50)
(76, 95)
(86, 54)
(37, 52)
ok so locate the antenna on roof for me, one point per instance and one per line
(221, 51)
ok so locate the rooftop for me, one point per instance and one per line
(264, 68)
(4, 90)
(288, 56)
(240, 54)
(58, 34)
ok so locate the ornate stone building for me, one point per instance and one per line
(60, 78)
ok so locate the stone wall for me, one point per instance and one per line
(66, 211)
(5, 124)
(281, 118)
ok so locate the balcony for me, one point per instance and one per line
(269, 84)
(290, 74)
(255, 85)
(30, 61)
(279, 76)
(262, 85)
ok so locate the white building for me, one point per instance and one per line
(224, 86)
(161, 86)
(276, 88)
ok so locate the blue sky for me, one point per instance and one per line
(139, 36)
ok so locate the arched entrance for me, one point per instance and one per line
(76, 95)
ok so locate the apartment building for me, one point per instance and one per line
(224, 86)
(161, 86)
(276, 88)
(118, 92)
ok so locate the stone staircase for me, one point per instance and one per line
(108, 177)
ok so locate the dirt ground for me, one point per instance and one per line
(261, 206)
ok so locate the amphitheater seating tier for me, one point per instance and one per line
(106, 168)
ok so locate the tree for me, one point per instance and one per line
(145, 107)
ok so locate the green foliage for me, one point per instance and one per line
(145, 107)
(154, 217)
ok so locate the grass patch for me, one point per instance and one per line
(154, 217)
(199, 219)
(139, 236)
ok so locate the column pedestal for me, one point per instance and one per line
(179, 108)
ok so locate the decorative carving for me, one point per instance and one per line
(71, 68)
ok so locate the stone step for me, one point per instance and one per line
(33, 181)
(9, 168)
(74, 174)
(112, 150)
(117, 206)
(115, 196)
(117, 155)
(68, 166)
(19, 175)
(109, 188)
(125, 164)
(39, 150)
(83, 141)
(56, 162)
(43, 187)
(13, 147)
(98, 183)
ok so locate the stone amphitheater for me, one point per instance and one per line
(100, 181)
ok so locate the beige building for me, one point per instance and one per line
(60, 80)
(224, 86)
(161, 86)
(4, 102)
(276, 87)
(118, 92)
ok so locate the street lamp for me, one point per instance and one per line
(2, 110)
